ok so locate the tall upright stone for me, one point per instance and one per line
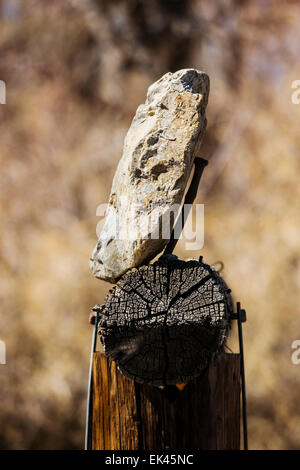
(151, 178)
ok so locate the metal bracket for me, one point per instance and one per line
(242, 313)
(199, 164)
(94, 319)
(240, 316)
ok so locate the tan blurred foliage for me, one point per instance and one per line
(75, 72)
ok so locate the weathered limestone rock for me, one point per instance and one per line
(152, 174)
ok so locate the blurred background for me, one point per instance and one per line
(75, 71)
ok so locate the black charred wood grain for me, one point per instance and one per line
(163, 322)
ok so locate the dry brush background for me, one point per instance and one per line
(75, 72)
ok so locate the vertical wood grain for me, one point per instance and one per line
(204, 416)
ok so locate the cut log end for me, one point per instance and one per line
(162, 323)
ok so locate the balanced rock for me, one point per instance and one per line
(152, 175)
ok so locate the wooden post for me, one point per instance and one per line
(205, 415)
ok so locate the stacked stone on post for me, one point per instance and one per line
(152, 175)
